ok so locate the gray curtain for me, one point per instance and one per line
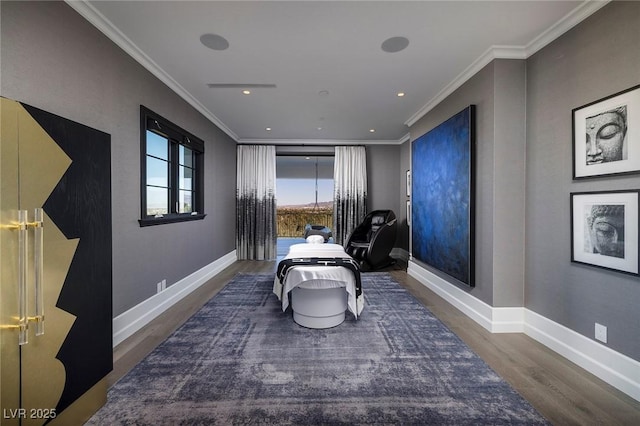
(256, 228)
(350, 190)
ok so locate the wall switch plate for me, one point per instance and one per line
(601, 333)
(158, 287)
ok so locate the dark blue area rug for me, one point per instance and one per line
(240, 360)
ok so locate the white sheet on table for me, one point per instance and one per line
(319, 277)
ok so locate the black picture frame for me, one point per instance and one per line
(604, 229)
(606, 136)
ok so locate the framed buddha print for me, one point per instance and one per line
(604, 229)
(606, 136)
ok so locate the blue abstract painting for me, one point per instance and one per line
(442, 233)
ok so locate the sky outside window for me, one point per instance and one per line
(303, 191)
(296, 177)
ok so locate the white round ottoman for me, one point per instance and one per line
(319, 308)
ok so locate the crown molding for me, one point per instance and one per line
(325, 142)
(569, 21)
(91, 14)
(494, 52)
(586, 9)
(580, 13)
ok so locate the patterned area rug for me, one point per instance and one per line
(240, 360)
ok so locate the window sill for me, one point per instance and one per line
(170, 219)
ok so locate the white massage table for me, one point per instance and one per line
(320, 294)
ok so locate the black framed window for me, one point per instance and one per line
(171, 172)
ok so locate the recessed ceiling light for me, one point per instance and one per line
(323, 93)
(400, 94)
(395, 44)
(214, 41)
(268, 129)
(319, 128)
(246, 92)
(372, 130)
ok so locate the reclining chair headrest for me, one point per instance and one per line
(378, 219)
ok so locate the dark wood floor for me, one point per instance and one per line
(560, 390)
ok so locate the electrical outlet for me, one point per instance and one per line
(164, 284)
(601, 333)
(159, 287)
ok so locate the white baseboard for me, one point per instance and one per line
(617, 369)
(496, 320)
(127, 323)
(614, 368)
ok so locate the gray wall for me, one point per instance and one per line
(403, 229)
(597, 58)
(55, 60)
(497, 283)
(524, 175)
(383, 182)
(383, 177)
(509, 148)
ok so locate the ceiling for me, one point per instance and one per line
(316, 70)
